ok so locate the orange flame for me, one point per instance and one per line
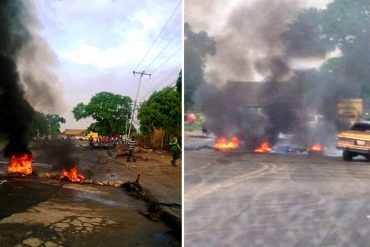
(223, 144)
(264, 148)
(20, 164)
(73, 175)
(316, 148)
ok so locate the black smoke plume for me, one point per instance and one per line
(26, 79)
(16, 113)
(255, 40)
(60, 153)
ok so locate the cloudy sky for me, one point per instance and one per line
(98, 43)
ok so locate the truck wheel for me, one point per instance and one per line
(367, 156)
(347, 155)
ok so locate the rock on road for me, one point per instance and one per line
(244, 199)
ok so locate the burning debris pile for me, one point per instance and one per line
(57, 152)
(72, 175)
(62, 177)
(223, 144)
(60, 153)
(253, 112)
(264, 148)
(21, 164)
(316, 149)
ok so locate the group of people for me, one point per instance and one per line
(131, 144)
(106, 141)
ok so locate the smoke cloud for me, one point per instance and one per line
(26, 73)
(261, 95)
(36, 63)
(60, 153)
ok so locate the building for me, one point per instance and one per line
(74, 133)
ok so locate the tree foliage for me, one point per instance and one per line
(197, 47)
(343, 25)
(110, 111)
(179, 84)
(44, 125)
(54, 122)
(161, 110)
(39, 125)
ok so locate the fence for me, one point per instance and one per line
(158, 139)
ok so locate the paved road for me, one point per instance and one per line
(49, 213)
(241, 199)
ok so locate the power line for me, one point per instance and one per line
(163, 28)
(161, 93)
(173, 72)
(169, 89)
(164, 81)
(171, 56)
(163, 49)
(167, 77)
(176, 71)
(137, 94)
(152, 91)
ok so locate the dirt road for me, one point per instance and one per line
(244, 199)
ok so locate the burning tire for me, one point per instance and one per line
(316, 149)
(347, 155)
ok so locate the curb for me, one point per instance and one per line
(154, 206)
(171, 218)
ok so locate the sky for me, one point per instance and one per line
(98, 43)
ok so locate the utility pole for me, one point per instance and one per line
(126, 124)
(137, 94)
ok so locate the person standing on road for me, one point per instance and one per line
(131, 147)
(191, 118)
(91, 143)
(204, 129)
(174, 150)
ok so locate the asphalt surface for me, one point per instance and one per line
(50, 213)
(246, 199)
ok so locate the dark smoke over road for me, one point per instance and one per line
(60, 153)
(16, 113)
(254, 88)
(24, 79)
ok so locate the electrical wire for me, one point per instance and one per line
(163, 49)
(168, 59)
(156, 39)
(169, 89)
(176, 71)
(166, 78)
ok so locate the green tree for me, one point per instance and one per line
(39, 125)
(344, 24)
(54, 122)
(110, 111)
(179, 84)
(161, 110)
(197, 47)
